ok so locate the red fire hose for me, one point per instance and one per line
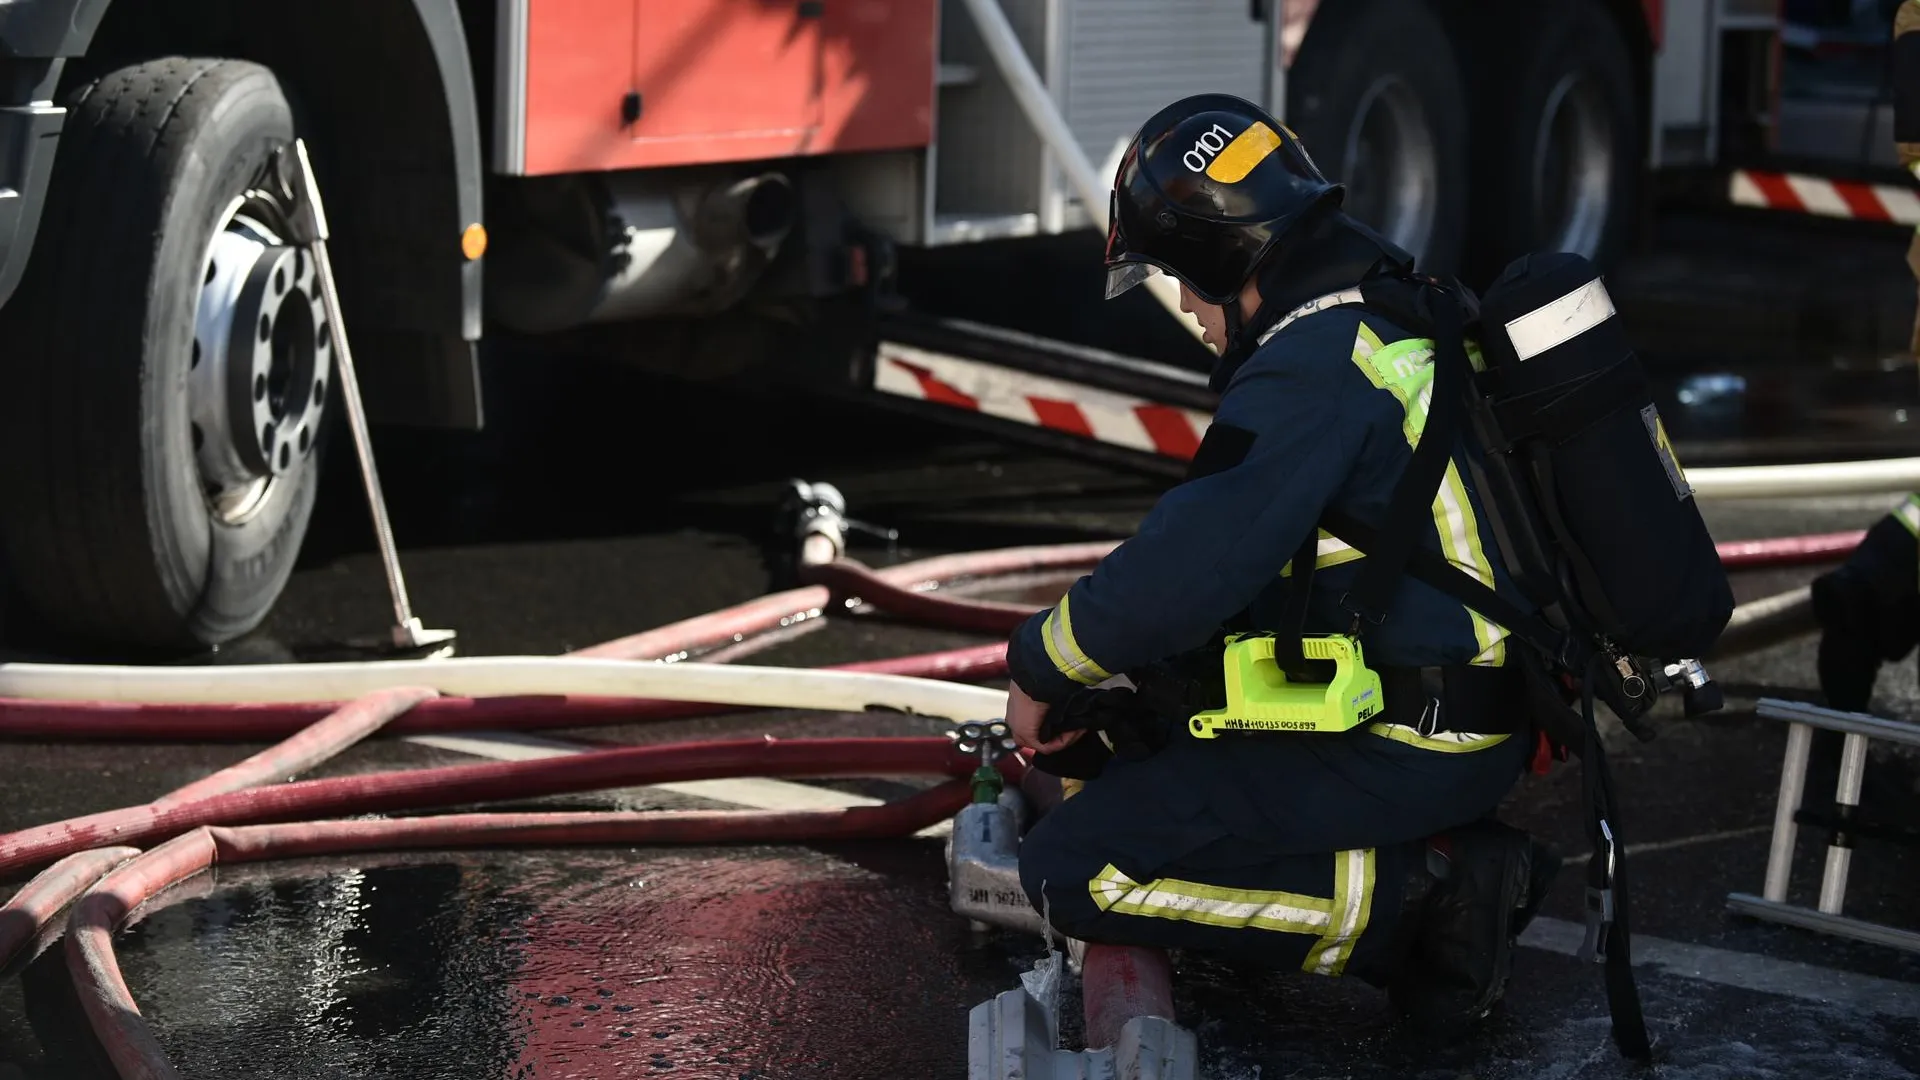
(223, 798)
(455, 785)
(1122, 983)
(114, 720)
(1119, 983)
(130, 1044)
(848, 578)
(799, 605)
(44, 896)
(1788, 550)
(319, 742)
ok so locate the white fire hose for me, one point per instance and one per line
(501, 676)
(1888, 475)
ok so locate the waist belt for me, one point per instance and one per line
(1138, 723)
(1462, 698)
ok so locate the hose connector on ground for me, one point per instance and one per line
(816, 516)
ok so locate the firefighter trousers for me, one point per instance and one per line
(1285, 850)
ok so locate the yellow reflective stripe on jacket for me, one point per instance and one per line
(1328, 551)
(1445, 742)
(1405, 369)
(1068, 659)
(1909, 514)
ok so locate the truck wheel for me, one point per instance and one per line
(167, 366)
(1376, 95)
(1558, 132)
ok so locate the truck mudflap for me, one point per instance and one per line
(28, 132)
(30, 125)
(1055, 394)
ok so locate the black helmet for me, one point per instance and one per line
(1205, 190)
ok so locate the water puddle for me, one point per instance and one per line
(761, 964)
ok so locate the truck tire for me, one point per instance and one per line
(1377, 96)
(1558, 132)
(167, 367)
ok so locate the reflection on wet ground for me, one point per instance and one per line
(706, 964)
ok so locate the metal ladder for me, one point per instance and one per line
(1841, 823)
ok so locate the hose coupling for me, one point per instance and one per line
(815, 514)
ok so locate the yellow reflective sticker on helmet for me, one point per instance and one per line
(1249, 148)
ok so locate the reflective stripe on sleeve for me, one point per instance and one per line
(1065, 652)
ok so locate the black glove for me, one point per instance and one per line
(1136, 730)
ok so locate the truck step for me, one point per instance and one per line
(1057, 394)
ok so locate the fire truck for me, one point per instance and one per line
(710, 176)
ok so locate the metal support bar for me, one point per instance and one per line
(1793, 786)
(310, 220)
(1036, 101)
(1836, 925)
(1873, 727)
(1833, 883)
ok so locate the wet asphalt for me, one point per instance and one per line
(601, 502)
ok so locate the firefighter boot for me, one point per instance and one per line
(1481, 885)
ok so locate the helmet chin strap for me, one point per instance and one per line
(1235, 326)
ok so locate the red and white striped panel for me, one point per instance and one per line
(1090, 413)
(1802, 194)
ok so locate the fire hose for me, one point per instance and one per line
(209, 820)
(88, 848)
(85, 718)
(83, 850)
(135, 1053)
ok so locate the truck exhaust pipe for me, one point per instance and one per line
(758, 211)
(627, 246)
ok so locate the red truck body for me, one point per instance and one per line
(715, 81)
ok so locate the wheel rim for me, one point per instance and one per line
(1390, 166)
(1573, 167)
(262, 360)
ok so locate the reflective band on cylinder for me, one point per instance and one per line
(1561, 321)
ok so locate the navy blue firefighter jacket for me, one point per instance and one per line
(1334, 402)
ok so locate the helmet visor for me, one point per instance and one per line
(1124, 276)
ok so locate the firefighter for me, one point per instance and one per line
(1370, 853)
(1869, 607)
